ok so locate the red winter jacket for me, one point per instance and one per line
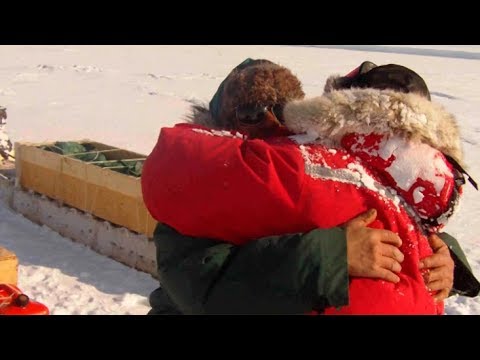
(215, 184)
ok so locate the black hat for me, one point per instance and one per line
(391, 76)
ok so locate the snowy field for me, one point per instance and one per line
(123, 95)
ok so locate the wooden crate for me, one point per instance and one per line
(8, 267)
(107, 194)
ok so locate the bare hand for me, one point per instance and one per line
(439, 266)
(372, 253)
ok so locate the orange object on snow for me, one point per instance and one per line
(14, 302)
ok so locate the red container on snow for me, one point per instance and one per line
(14, 302)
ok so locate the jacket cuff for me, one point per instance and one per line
(464, 282)
(333, 280)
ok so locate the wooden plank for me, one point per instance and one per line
(8, 267)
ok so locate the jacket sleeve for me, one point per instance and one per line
(288, 274)
(225, 187)
(464, 282)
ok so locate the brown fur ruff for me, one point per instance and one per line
(265, 84)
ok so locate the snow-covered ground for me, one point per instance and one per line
(69, 277)
(123, 95)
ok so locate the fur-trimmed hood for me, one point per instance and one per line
(200, 115)
(412, 116)
(253, 82)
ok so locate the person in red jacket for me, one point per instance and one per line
(296, 184)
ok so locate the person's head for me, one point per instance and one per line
(252, 96)
(393, 77)
(3, 115)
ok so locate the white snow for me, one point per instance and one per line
(123, 95)
(304, 138)
(355, 173)
(69, 277)
(418, 195)
(422, 161)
